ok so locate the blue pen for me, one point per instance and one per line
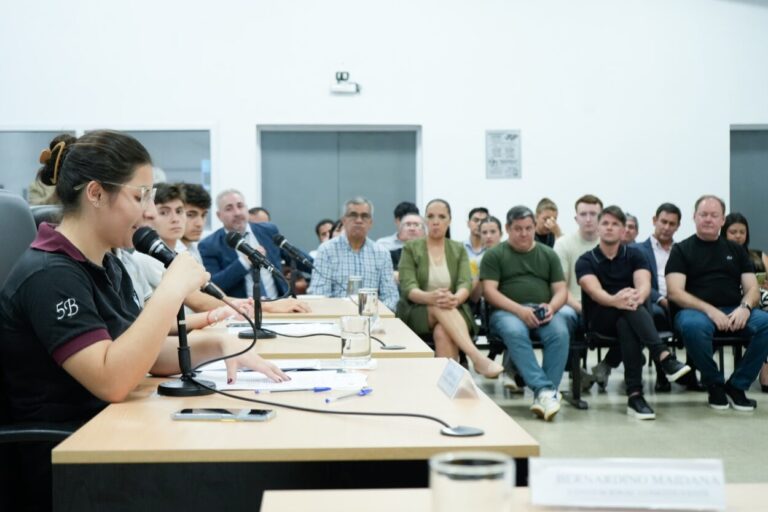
(362, 392)
(315, 389)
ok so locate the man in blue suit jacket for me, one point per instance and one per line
(229, 269)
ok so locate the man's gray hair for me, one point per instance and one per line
(357, 200)
(226, 192)
(518, 213)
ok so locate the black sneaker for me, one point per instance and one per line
(673, 368)
(662, 384)
(717, 397)
(738, 399)
(639, 408)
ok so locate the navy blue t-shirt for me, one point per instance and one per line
(55, 303)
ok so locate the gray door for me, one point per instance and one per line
(307, 176)
(749, 179)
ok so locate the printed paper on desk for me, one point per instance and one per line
(292, 329)
(305, 364)
(456, 382)
(667, 484)
(299, 380)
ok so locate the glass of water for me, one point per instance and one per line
(355, 339)
(464, 481)
(353, 286)
(368, 305)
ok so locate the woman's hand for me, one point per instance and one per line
(444, 299)
(286, 306)
(185, 274)
(250, 360)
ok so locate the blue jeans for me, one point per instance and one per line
(517, 337)
(697, 330)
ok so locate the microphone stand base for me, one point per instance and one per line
(461, 431)
(184, 387)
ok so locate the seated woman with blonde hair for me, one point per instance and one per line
(435, 282)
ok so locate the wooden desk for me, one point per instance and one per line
(328, 308)
(133, 456)
(739, 498)
(328, 347)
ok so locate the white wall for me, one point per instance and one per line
(612, 97)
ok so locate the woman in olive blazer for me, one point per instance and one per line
(435, 282)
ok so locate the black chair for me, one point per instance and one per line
(50, 213)
(18, 228)
(576, 354)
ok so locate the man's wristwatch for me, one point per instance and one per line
(745, 306)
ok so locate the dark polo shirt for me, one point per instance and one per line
(614, 274)
(55, 303)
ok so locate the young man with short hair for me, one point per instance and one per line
(616, 279)
(197, 204)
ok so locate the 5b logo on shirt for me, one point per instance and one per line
(66, 308)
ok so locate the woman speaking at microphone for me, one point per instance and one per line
(72, 335)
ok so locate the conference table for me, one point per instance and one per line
(133, 456)
(396, 332)
(739, 498)
(326, 307)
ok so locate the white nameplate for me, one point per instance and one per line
(668, 484)
(455, 381)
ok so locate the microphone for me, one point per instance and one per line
(238, 243)
(147, 241)
(292, 251)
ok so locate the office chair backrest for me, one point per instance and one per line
(17, 229)
(46, 213)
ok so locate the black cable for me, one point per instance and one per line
(270, 331)
(253, 343)
(323, 411)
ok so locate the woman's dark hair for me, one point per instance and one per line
(101, 155)
(730, 220)
(336, 226)
(492, 220)
(447, 207)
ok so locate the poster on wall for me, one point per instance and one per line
(502, 154)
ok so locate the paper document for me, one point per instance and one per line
(307, 364)
(299, 380)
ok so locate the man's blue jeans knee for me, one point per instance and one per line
(555, 339)
(697, 331)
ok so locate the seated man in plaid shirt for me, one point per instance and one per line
(354, 254)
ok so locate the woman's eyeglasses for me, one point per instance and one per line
(147, 193)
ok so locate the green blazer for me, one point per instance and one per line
(414, 273)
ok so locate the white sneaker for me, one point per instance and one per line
(546, 404)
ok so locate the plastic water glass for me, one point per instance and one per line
(463, 481)
(353, 286)
(355, 339)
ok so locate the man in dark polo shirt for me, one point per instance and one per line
(616, 280)
(523, 281)
(713, 283)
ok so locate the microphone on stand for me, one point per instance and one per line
(147, 241)
(292, 251)
(238, 243)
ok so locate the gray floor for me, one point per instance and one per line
(685, 427)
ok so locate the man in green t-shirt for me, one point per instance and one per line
(523, 281)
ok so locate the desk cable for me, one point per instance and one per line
(457, 431)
